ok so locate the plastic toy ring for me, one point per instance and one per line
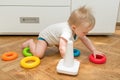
(30, 62)
(76, 52)
(100, 59)
(9, 56)
(26, 52)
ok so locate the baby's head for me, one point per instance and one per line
(81, 21)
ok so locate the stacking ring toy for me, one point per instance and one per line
(100, 59)
(76, 52)
(9, 56)
(26, 52)
(30, 62)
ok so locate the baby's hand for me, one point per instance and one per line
(96, 52)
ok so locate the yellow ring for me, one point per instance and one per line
(24, 62)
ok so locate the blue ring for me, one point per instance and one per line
(76, 52)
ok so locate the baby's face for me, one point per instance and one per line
(83, 30)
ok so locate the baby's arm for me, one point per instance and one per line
(90, 45)
(62, 46)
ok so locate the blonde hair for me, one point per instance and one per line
(80, 16)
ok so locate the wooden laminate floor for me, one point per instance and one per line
(110, 45)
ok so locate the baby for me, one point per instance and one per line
(80, 22)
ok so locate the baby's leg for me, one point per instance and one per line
(40, 48)
(37, 49)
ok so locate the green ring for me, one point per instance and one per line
(26, 52)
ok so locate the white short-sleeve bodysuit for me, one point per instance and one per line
(53, 33)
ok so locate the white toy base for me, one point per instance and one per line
(68, 70)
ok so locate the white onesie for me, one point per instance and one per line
(53, 33)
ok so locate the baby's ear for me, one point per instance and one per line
(73, 27)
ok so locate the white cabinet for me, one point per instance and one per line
(105, 12)
(29, 20)
(29, 17)
(35, 2)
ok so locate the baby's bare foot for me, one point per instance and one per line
(26, 44)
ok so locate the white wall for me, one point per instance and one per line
(118, 19)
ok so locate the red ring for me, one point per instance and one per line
(100, 59)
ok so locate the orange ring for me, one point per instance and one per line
(9, 56)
